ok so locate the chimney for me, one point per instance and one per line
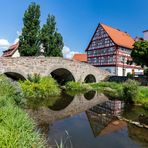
(145, 35)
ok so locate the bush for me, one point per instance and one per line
(130, 91)
(129, 75)
(77, 86)
(11, 89)
(146, 72)
(44, 88)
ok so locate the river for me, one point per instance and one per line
(88, 121)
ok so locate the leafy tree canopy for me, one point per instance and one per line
(140, 53)
(52, 40)
(33, 37)
(29, 39)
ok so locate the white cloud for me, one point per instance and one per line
(68, 53)
(16, 40)
(4, 44)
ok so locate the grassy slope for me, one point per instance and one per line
(16, 128)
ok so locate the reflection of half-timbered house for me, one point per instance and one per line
(110, 49)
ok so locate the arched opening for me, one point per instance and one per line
(62, 102)
(90, 95)
(90, 79)
(62, 75)
(14, 76)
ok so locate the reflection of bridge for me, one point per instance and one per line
(78, 105)
(61, 69)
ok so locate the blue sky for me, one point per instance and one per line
(76, 19)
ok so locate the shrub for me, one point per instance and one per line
(34, 78)
(146, 72)
(11, 89)
(129, 75)
(130, 91)
(44, 88)
(77, 86)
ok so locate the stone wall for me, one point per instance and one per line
(45, 65)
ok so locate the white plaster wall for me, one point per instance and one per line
(16, 54)
(111, 69)
(129, 70)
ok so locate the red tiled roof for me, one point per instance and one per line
(9, 52)
(120, 38)
(80, 57)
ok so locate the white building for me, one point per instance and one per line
(12, 51)
(110, 49)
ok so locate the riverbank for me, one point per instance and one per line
(129, 91)
(17, 129)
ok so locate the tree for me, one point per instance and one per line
(29, 39)
(51, 40)
(140, 53)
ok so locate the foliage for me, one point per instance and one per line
(77, 86)
(34, 78)
(146, 72)
(29, 39)
(16, 128)
(143, 96)
(111, 89)
(45, 88)
(129, 75)
(65, 142)
(32, 37)
(11, 89)
(140, 53)
(130, 91)
(52, 40)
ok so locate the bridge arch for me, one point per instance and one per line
(62, 75)
(90, 78)
(15, 74)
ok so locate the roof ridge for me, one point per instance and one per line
(119, 37)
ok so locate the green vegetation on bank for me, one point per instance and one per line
(129, 91)
(16, 127)
(77, 86)
(37, 87)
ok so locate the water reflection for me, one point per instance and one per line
(138, 134)
(62, 102)
(90, 120)
(101, 115)
(60, 109)
(90, 95)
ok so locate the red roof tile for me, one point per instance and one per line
(120, 38)
(80, 57)
(10, 51)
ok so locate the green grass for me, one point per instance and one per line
(127, 91)
(16, 127)
(77, 86)
(143, 96)
(111, 89)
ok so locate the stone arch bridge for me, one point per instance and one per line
(61, 69)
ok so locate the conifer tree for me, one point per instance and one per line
(51, 40)
(29, 39)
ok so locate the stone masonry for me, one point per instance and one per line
(45, 65)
